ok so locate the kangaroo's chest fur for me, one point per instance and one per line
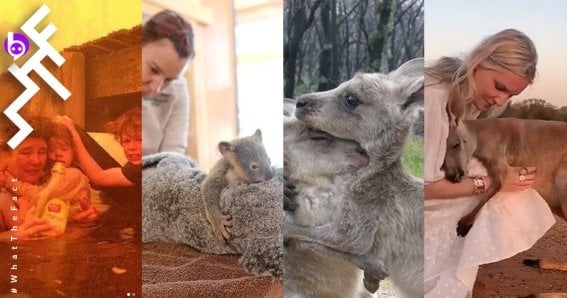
(526, 143)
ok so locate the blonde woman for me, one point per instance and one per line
(500, 67)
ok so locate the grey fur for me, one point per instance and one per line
(172, 211)
(313, 162)
(244, 160)
(381, 213)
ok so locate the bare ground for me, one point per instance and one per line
(510, 278)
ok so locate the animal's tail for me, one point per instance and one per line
(546, 264)
(175, 158)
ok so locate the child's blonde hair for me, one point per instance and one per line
(129, 123)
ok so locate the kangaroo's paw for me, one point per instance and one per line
(373, 275)
(463, 227)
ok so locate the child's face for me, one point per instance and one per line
(61, 151)
(132, 146)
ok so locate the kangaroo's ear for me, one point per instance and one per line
(411, 69)
(412, 94)
(226, 147)
(455, 111)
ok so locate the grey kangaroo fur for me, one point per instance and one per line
(313, 162)
(172, 211)
(507, 143)
(381, 212)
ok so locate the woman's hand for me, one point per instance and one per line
(518, 178)
(65, 120)
(32, 226)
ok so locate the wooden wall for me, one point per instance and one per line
(103, 77)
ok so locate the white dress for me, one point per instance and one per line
(508, 224)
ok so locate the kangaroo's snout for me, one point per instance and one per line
(454, 175)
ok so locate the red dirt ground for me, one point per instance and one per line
(510, 278)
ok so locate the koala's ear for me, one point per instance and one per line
(226, 147)
(413, 94)
(289, 107)
(258, 134)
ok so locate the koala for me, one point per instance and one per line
(244, 160)
(381, 211)
(314, 161)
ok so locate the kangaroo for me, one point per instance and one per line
(314, 161)
(381, 212)
(515, 143)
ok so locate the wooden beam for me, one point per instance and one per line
(114, 73)
(73, 78)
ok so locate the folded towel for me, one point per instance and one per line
(176, 270)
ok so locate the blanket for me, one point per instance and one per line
(177, 270)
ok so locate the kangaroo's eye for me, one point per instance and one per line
(351, 100)
(254, 166)
(456, 145)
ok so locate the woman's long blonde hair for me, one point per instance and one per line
(509, 49)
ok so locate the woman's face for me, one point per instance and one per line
(161, 64)
(132, 146)
(27, 161)
(61, 151)
(496, 86)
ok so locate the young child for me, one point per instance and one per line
(127, 129)
(60, 150)
(60, 145)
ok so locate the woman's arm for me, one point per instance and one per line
(445, 189)
(97, 175)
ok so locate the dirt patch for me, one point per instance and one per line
(510, 278)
